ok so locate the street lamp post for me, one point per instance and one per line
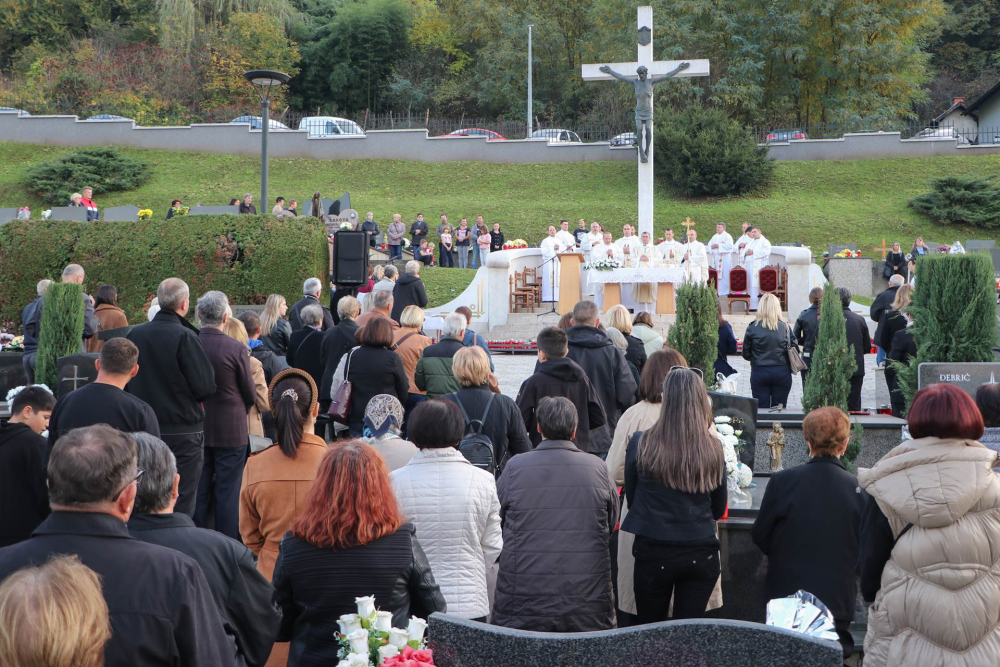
(529, 80)
(264, 82)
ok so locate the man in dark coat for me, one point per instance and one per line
(418, 231)
(161, 608)
(24, 495)
(245, 598)
(558, 508)
(409, 290)
(903, 350)
(305, 347)
(881, 304)
(607, 369)
(246, 206)
(859, 339)
(31, 318)
(557, 375)
(809, 522)
(806, 329)
(369, 225)
(311, 290)
(176, 378)
(336, 343)
(227, 432)
(434, 372)
(271, 362)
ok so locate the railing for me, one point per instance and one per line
(964, 134)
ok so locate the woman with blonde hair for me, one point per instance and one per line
(409, 343)
(53, 615)
(274, 329)
(236, 330)
(765, 346)
(619, 318)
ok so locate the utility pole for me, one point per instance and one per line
(529, 81)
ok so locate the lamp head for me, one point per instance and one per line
(265, 80)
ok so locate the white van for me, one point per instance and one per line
(330, 126)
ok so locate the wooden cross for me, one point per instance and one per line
(882, 249)
(687, 223)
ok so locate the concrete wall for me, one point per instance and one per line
(412, 145)
(869, 145)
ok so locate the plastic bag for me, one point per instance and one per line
(727, 385)
(738, 498)
(956, 249)
(802, 613)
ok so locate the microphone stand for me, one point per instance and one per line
(552, 284)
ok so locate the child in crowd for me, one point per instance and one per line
(425, 253)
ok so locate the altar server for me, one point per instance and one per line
(721, 250)
(741, 246)
(695, 259)
(644, 294)
(671, 251)
(629, 245)
(757, 255)
(565, 236)
(551, 246)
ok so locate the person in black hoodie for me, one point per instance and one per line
(409, 290)
(177, 377)
(24, 494)
(557, 375)
(605, 366)
(858, 338)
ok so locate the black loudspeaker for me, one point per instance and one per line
(350, 258)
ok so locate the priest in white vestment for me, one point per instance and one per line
(606, 249)
(588, 241)
(671, 251)
(644, 294)
(721, 250)
(629, 245)
(565, 236)
(741, 247)
(695, 259)
(551, 246)
(757, 256)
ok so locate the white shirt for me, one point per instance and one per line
(668, 247)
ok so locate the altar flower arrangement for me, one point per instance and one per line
(145, 213)
(17, 390)
(367, 639)
(516, 244)
(606, 264)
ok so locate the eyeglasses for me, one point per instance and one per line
(136, 479)
(685, 368)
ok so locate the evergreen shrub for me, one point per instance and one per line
(61, 330)
(103, 168)
(959, 200)
(695, 334)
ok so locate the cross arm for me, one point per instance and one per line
(657, 68)
(672, 73)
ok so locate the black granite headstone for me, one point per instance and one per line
(7, 214)
(11, 372)
(742, 410)
(972, 245)
(121, 214)
(458, 642)
(74, 371)
(834, 248)
(239, 310)
(71, 213)
(214, 210)
(966, 376)
(120, 332)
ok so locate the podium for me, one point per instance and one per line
(570, 288)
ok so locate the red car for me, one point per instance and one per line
(477, 132)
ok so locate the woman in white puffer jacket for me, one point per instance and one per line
(454, 507)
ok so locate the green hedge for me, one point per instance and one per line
(247, 257)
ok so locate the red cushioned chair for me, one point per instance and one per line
(767, 279)
(713, 279)
(738, 287)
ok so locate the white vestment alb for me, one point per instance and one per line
(671, 253)
(644, 294)
(598, 252)
(696, 262)
(631, 258)
(550, 246)
(740, 259)
(722, 258)
(761, 256)
(566, 238)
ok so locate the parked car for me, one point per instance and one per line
(943, 133)
(786, 135)
(330, 126)
(106, 117)
(557, 136)
(256, 123)
(624, 139)
(477, 132)
(20, 112)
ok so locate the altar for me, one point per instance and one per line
(664, 277)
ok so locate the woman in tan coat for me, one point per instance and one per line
(109, 315)
(277, 480)
(236, 330)
(930, 540)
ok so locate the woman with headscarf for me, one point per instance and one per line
(383, 423)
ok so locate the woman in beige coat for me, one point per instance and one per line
(930, 540)
(277, 480)
(236, 330)
(641, 417)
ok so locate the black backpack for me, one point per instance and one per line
(476, 446)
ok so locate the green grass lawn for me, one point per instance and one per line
(814, 203)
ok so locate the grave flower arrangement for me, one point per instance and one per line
(848, 253)
(516, 244)
(737, 472)
(145, 213)
(17, 390)
(367, 639)
(10, 343)
(606, 264)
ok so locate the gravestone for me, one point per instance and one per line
(458, 642)
(11, 372)
(834, 248)
(7, 214)
(214, 210)
(972, 245)
(743, 411)
(121, 214)
(789, 245)
(71, 213)
(74, 371)
(120, 332)
(239, 310)
(966, 376)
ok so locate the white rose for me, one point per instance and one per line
(724, 429)
(416, 629)
(359, 642)
(366, 606)
(349, 623)
(745, 476)
(398, 637)
(356, 660)
(383, 621)
(386, 652)
(722, 420)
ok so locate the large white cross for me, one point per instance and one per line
(644, 26)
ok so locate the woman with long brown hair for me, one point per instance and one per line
(349, 542)
(676, 490)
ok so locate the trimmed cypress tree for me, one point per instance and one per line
(954, 314)
(829, 379)
(695, 334)
(61, 329)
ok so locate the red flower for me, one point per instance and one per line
(424, 655)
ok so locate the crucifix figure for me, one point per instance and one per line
(647, 73)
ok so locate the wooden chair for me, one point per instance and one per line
(533, 280)
(782, 291)
(524, 280)
(738, 288)
(713, 279)
(767, 280)
(520, 298)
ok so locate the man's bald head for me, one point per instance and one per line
(896, 280)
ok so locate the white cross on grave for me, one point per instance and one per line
(76, 379)
(656, 71)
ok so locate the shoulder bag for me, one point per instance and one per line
(794, 358)
(396, 346)
(340, 408)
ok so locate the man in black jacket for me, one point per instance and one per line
(418, 231)
(161, 608)
(244, 597)
(176, 378)
(607, 369)
(311, 290)
(881, 304)
(271, 362)
(806, 329)
(305, 347)
(557, 375)
(859, 339)
(31, 317)
(369, 225)
(24, 496)
(409, 290)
